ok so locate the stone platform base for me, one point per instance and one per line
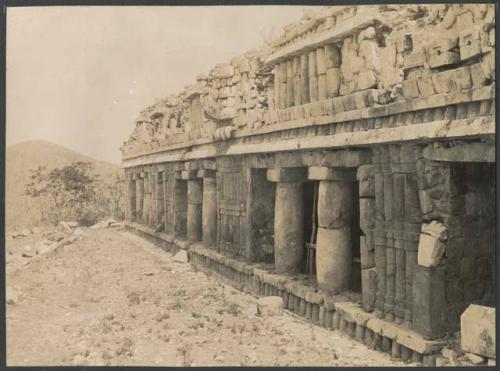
(302, 297)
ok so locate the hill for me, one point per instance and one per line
(21, 210)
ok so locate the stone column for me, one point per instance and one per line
(399, 218)
(390, 292)
(365, 176)
(288, 218)
(194, 203)
(321, 71)
(332, 66)
(313, 77)
(166, 214)
(297, 91)
(333, 243)
(139, 199)
(277, 86)
(380, 236)
(304, 78)
(153, 185)
(209, 208)
(160, 203)
(412, 226)
(179, 204)
(283, 85)
(147, 195)
(131, 198)
(289, 82)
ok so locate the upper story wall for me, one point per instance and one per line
(344, 59)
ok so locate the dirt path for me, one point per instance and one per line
(115, 299)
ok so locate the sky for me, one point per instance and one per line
(79, 76)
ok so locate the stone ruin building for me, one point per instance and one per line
(346, 166)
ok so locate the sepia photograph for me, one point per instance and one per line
(250, 185)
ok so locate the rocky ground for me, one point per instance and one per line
(107, 297)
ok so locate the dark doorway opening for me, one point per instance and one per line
(356, 233)
(310, 226)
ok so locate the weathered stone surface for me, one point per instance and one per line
(332, 82)
(270, 306)
(335, 203)
(429, 302)
(477, 329)
(288, 230)
(333, 259)
(475, 359)
(369, 288)
(209, 212)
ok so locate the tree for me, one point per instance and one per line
(75, 192)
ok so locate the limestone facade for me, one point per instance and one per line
(354, 154)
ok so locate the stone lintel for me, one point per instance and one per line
(287, 174)
(189, 174)
(330, 173)
(461, 152)
(206, 173)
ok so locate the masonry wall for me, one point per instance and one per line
(388, 111)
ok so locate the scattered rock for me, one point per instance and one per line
(79, 360)
(270, 306)
(78, 232)
(56, 236)
(181, 257)
(11, 295)
(29, 252)
(492, 362)
(474, 358)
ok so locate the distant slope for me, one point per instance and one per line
(21, 210)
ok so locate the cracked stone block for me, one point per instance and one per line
(477, 329)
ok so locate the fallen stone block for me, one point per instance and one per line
(270, 306)
(181, 257)
(477, 329)
(475, 359)
(29, 252)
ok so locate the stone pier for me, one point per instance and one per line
(334, 245)
(139, 198)
(209, 208)
(194, 205)
(288, 218)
